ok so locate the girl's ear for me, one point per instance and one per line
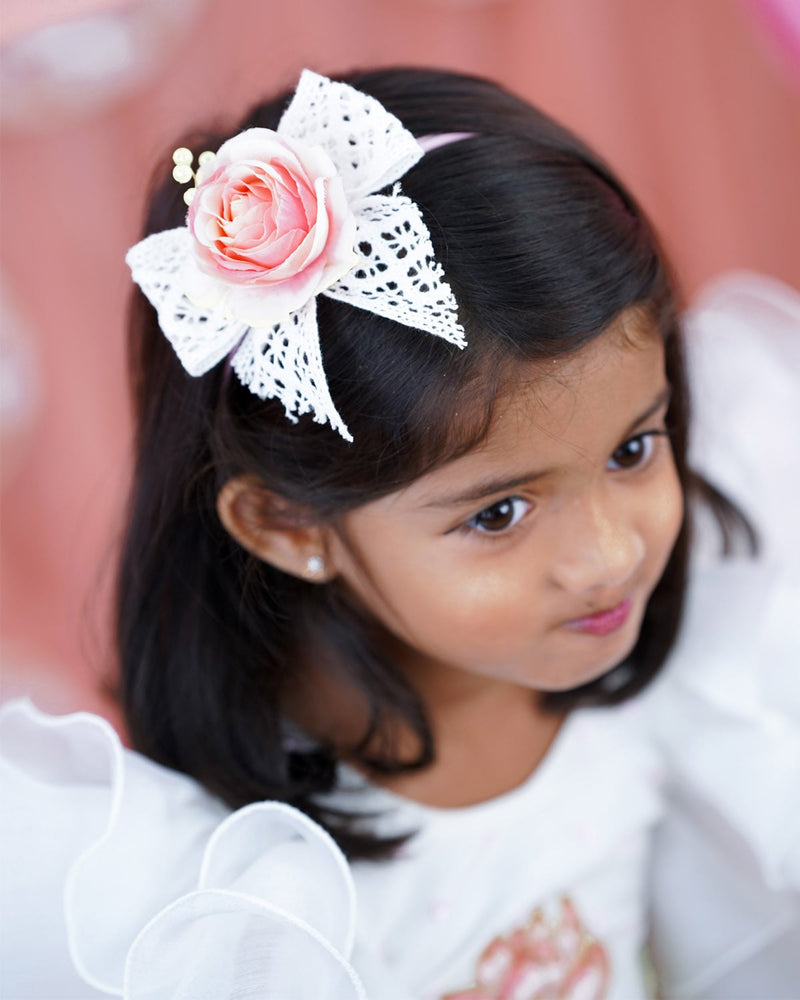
(274, 530)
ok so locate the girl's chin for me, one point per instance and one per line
(576, 675)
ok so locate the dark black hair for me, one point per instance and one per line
(543, 248)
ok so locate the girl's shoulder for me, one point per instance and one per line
(142, 884)
(725, 719)
(725, 714)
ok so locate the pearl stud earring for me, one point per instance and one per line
(314, 565)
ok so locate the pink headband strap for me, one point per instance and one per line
(431, 142)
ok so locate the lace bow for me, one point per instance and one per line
(280, 217)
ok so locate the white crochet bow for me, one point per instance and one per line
(393, 272)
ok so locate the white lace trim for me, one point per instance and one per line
(398, 276)
(370, 147)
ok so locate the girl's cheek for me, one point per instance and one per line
(668, 507)
(485, 589)
(662, 513)
(490, 599)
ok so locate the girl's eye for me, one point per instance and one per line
(500, 516)
(636, 451)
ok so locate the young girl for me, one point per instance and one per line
(410, 528)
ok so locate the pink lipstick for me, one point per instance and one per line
(603, 622)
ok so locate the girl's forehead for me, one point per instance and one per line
(560, 414)
(611, 367)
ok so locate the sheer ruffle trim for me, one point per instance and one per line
(168, 895)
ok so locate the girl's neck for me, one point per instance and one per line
(489, 736)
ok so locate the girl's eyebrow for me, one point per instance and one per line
(478, 491)
(481, 490)
(662, 399)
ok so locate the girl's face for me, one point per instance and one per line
(531, 559)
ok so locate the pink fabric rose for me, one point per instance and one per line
(271, 226)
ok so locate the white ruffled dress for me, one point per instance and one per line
(673, 819)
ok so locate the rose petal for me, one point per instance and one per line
(249, 304)
(254, 145)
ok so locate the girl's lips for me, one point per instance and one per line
(603, 622)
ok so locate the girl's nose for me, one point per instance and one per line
(598, 548)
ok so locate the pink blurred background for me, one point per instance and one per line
(696, 103)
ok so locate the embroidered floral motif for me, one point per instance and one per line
(545, 960)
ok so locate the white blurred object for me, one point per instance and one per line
(743, 348)
(77, 66)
